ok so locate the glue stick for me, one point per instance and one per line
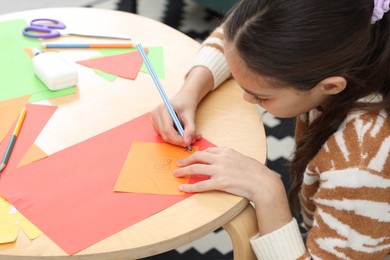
(53, 70)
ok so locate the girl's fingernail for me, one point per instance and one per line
(181, 188)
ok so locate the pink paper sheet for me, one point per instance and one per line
(69, 195)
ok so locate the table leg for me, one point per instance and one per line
(241, 229)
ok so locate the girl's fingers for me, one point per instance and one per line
(201, 157)
(194, 169)
(207, 156)
(162, 124)
(197, 187)
(214, 150)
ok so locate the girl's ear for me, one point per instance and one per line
(332, 85)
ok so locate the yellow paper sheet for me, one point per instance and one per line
(149, 169)
(11, 221)
(8, 232)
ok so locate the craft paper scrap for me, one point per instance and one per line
(11, 221)
(126, 65)
(107, 76)
(34, 153)
(36, 118)
(8, 232)
(149, 169)
(30, 229)
(155, 55)
(16, 73)
(70, 194)
(114, 51)
(9, 113)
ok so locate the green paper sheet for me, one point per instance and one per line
(156, 57)
(16, 71)
(107, 76)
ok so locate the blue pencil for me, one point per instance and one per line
(161, 91)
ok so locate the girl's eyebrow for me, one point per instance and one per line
(254, 94)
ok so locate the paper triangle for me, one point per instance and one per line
(9, 112)
(33, 154)
(125, 65)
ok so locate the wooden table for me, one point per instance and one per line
(224, 118)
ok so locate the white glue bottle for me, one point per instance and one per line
(53, 70)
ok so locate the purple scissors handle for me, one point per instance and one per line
(46, 27)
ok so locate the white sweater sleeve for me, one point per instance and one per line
(283, 243)
(211, 55)
(215, 61)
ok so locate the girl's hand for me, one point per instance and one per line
(198, 83)
(163, 124)
(235, 173)
(229, 171)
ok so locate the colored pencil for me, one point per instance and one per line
(13, 139)
(87, 45)
(157, 82)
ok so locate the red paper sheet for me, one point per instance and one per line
(70, 194)
(36, 118)
(125, 65)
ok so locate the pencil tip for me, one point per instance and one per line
(189, 148)
(2, 166)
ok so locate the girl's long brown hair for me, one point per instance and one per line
(300, 43)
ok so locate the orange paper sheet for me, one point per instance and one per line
(34, 153)
(9, 113)
(70, 194)
(125, 65)
(36, 118)
(148, 169)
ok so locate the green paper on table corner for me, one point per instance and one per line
(155, 55)
(107, 76)
(16, 73)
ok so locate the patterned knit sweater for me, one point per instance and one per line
(345, 195)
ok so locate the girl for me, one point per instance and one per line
(328, 64)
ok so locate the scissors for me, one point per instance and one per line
(46, 28)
